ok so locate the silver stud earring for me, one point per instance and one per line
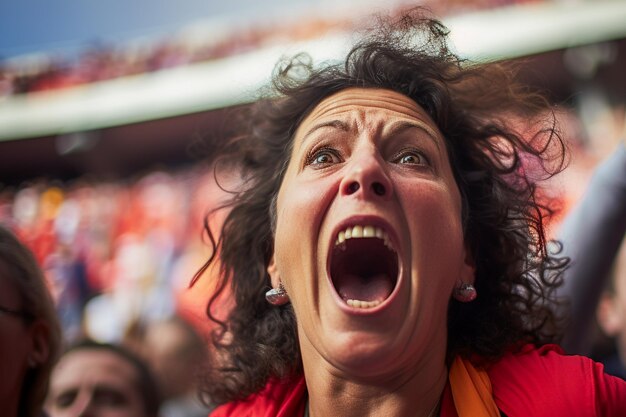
(465, 293)
(277, 296)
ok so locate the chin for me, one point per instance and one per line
(364, 354)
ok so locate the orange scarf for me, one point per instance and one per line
(471, 390)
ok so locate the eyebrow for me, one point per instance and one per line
(100, 386)
(337, 124)
(403, 125)
(396, 128)
(54, 394)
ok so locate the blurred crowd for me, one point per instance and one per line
(118, 259)
(115, 253)
(118, 253)
(100, 62)
(118, 256)
(157, 375)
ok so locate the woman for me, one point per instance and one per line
(30, 335)
(389, 215)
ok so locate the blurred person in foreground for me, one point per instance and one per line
(30, 334)
(611, 315)
(176, 353)
(595, 281)
(386, 253)
(102, 380)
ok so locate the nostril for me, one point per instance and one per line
(378, 188)
(353, 187)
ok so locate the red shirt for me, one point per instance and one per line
(534, 382)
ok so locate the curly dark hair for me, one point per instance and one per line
(501, 138)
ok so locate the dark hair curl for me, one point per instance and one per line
(501, 139)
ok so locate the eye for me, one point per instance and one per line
(323, 156)
(411, 157)
(65, 399)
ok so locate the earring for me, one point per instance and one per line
(277, 296)
(32, 363)
(465, 293)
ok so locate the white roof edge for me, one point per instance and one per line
(487, 35)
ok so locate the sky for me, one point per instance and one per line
(30, 26)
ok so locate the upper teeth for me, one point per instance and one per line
(360, 232)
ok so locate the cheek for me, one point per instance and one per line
(300, 210)
(301, 206)
(434, 208)
(435, 227)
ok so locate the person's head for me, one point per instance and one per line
(30, 335)
(611, 311)
(175, 352)
(432, 157)
(101, 380)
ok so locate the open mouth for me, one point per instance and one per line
(363, 266)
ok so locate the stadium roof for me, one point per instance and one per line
(501, 33)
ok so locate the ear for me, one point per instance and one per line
(40, 346)
(609, 315)
(272, 270)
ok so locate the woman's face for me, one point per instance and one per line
(369, 241)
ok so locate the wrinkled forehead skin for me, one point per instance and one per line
(370, 100)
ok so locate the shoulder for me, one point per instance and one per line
(545, 382)
(279, 398)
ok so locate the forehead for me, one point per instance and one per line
(92, 366)
(369, 106)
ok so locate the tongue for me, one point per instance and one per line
(375, 287)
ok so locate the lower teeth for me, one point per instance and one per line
(363, 304)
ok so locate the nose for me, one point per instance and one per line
(367, 176)
(83, 406)
(87, 411)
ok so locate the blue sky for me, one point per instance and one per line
(28, 26)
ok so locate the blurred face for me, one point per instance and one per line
(15, 344)
(369, 242)
(94, 383)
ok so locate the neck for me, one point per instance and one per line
(414, 392)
